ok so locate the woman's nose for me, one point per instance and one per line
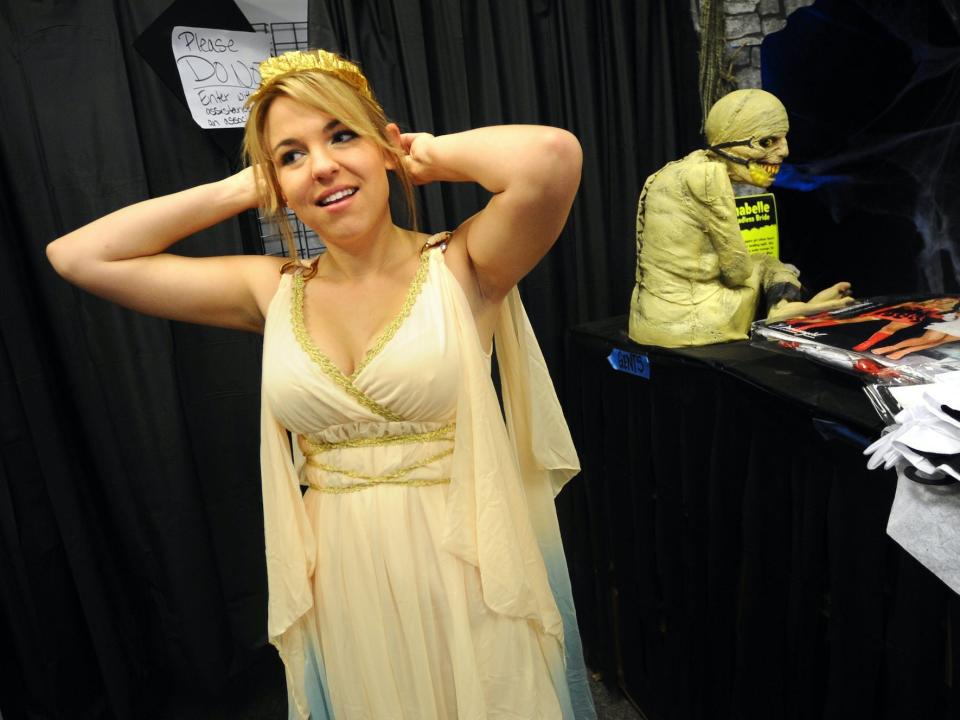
(324, 165)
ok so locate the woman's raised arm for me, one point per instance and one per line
(533, 173)
(120, 257)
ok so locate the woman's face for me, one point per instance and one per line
(332, 178)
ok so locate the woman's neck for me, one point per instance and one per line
(358, 260)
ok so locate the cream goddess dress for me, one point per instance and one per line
(421, 575)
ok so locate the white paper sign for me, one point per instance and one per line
(219, 70)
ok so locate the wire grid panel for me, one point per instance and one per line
(286, 36)
(308, 242)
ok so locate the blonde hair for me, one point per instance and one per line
(322, 91)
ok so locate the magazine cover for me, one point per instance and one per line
(912, 337)
(888, 341)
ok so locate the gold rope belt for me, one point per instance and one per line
(312, 448)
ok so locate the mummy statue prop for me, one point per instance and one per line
(696, 282)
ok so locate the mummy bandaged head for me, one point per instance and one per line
(748, 129)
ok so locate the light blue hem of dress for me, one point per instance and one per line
(578, 705)
(318, 693)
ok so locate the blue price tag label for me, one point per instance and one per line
(628, 362)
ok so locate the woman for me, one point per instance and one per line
(421, 575)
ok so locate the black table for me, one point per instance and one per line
(727, 544)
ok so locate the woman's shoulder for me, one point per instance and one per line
(439, 241)
(297, 266)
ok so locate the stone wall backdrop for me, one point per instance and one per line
(748, 22)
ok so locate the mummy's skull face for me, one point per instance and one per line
(763, 157)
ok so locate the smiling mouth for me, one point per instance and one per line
(770, 169)
(337, 197)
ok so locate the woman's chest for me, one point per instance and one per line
(410, 371)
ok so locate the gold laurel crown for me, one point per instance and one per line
(274, 68)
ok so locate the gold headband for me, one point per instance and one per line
(273, 68)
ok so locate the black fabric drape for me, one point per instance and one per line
(620, 75)
(130, 523)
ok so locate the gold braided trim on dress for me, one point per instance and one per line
(394, 478)
(327, 365)
(332, 371)
(315, 447)
(387, 335)
(364, 486)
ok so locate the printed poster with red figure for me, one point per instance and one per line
(916, 337)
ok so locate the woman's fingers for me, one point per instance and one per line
(408, 140)
(415, 170)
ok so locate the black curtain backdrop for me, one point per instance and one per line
(131, 544)
(131, 555)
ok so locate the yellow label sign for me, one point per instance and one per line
(757, 215)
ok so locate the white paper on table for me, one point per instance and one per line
(908, 395)
(946, 390)
(951, 376)
(945, 393)
(925, 521)
(218, 69)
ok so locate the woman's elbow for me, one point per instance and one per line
(567, 155)
(63, 261)
(561, 162)
(56, 256)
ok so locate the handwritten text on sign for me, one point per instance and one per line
(219, 70)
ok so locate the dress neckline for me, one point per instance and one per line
(374, 348)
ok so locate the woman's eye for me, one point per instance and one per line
(343, 136)
(290, 156)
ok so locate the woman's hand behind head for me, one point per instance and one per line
(245, 185)
(416, 145)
